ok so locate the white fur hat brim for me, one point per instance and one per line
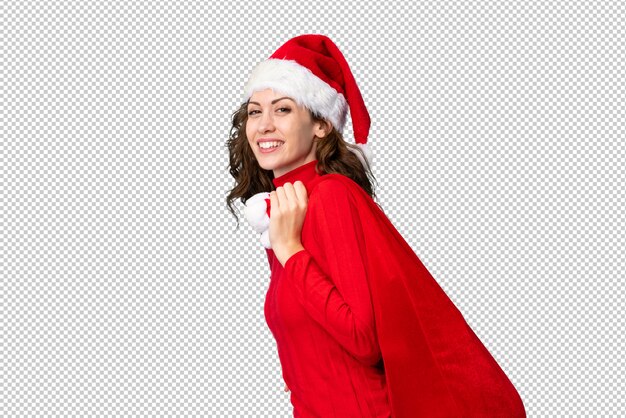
(298, 82)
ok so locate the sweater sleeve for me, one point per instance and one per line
(339, 299)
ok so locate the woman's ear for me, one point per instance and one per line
(322, 128)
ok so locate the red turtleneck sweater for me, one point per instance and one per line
(324, 326)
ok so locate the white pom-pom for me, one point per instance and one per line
(255, 212)
(265, 239)
(367, 151)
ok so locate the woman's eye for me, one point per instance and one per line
(281, 110)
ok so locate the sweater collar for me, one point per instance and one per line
(305, 173)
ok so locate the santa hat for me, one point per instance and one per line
(313, 71)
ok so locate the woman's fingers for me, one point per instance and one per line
(301, 192)
(291, 195)
(286, 388)
(280, 196)
(287, 196)
(288, 210)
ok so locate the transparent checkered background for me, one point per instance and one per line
(126, 290)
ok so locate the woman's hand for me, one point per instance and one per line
(288, 209)
(286, 388)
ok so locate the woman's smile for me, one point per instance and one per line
(269, 145)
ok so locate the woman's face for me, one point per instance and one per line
(276, 119)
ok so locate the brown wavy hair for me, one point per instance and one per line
(331, 152)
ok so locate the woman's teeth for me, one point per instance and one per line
(266, 145)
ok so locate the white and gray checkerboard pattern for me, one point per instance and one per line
(498, 140)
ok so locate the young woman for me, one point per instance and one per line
(361, 327)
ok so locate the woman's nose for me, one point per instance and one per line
(266, 123)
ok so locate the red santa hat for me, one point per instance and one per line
(313, 71)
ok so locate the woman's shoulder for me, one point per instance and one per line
(332, 184)
(341, 190)
(337, 190)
